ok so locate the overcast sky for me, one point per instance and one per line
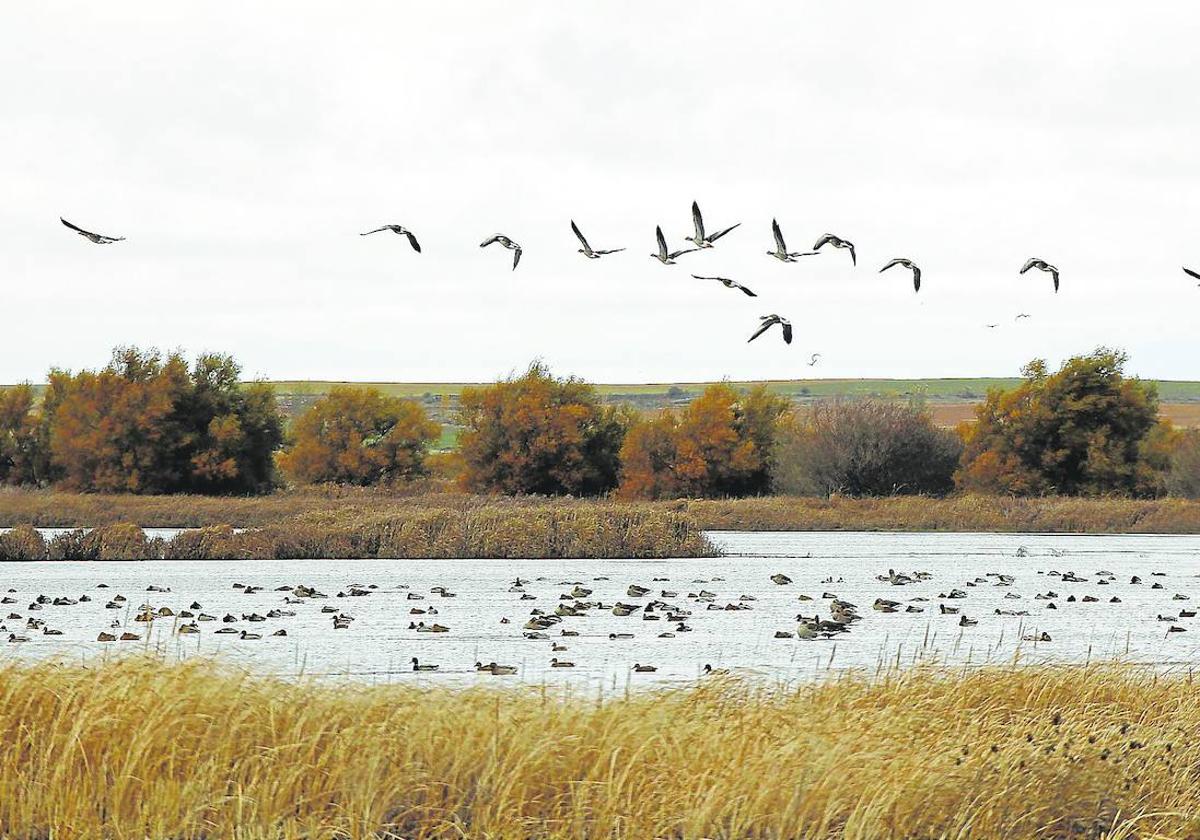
(241, 148)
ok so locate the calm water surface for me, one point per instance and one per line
(378, 645)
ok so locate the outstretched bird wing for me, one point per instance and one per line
(75, 228)
(586, 247)
(368, 233)
(916, 278)
(721, 233)
(516, 257)
(778, 236)
(489, 241)
(412, 240)
(1029, 263)
(767, 323)
(853, 256)
(675, 254)
(890, 264)
(1054, 274)
(662, 243)
(824, 240)
(698, 221)
(609, 251)
(787, 332)
(1191, 273)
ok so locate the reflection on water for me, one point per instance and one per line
(378, 646)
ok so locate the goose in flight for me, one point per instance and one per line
(98, 238)
(837, 242)
(910, 265)
(664, 256)
(507, 243)
(1041, 265)
(781, 252)
(815, 357)
(1191, 273)
(700, 240)
(400, 230)
(1021, 315)
(769, 321)
(727, 283)
(587, 250)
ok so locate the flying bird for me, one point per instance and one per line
(507, 243)
(587, 250)
(781, 252)
(1041, 265)
(837, 242)
(991, 326)
(1191, 273)
(727, 283)
(812, 362)
(700, 240)
(907, 263)
(769, 321)
(664, 256)
(98, 238)
(1021, 315)
(400, 230)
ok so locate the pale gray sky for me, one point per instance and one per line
(241, 148)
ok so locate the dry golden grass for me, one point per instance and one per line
(139, 748)
(350, 507)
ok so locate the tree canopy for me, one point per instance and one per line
(358, 436)
(539, 434)
(1084, 430)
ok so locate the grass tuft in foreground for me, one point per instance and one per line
(139, 748)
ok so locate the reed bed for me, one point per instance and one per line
(774, 513)
(142, 748)
(546, 532)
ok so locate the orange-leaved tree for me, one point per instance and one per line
(539, 434)
(359, 436)
(720, 444)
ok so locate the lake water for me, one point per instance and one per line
(378, 646)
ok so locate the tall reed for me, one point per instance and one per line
(140, 748)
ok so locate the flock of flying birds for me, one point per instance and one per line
(701, 240)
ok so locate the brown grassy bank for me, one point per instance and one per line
(350, 507)
(1067, 752)
(537, 532)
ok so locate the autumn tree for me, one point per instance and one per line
(359, 436)
(23, 458)
(865, 448)
(537, 433)
(720, 444)
(1084, 430)
(146, 424)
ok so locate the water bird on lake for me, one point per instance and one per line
(780, 579)
(507, 243)
(98, 238)
(910, 265)
(769, 321)
(644, 669)
(781, 252)
(727, 283)
(837, 242)
(561, 663)
(663, 255)
(587, 249)
(700, 240)
(400, 230)
(417, 666)
(1041, 265)
(709, 670)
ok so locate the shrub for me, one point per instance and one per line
(359, 436)
(1184, 476)
(23, 456)
(1085, 430)
(719, 445)
(866, 447)
(22, 542)
(539, 434)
